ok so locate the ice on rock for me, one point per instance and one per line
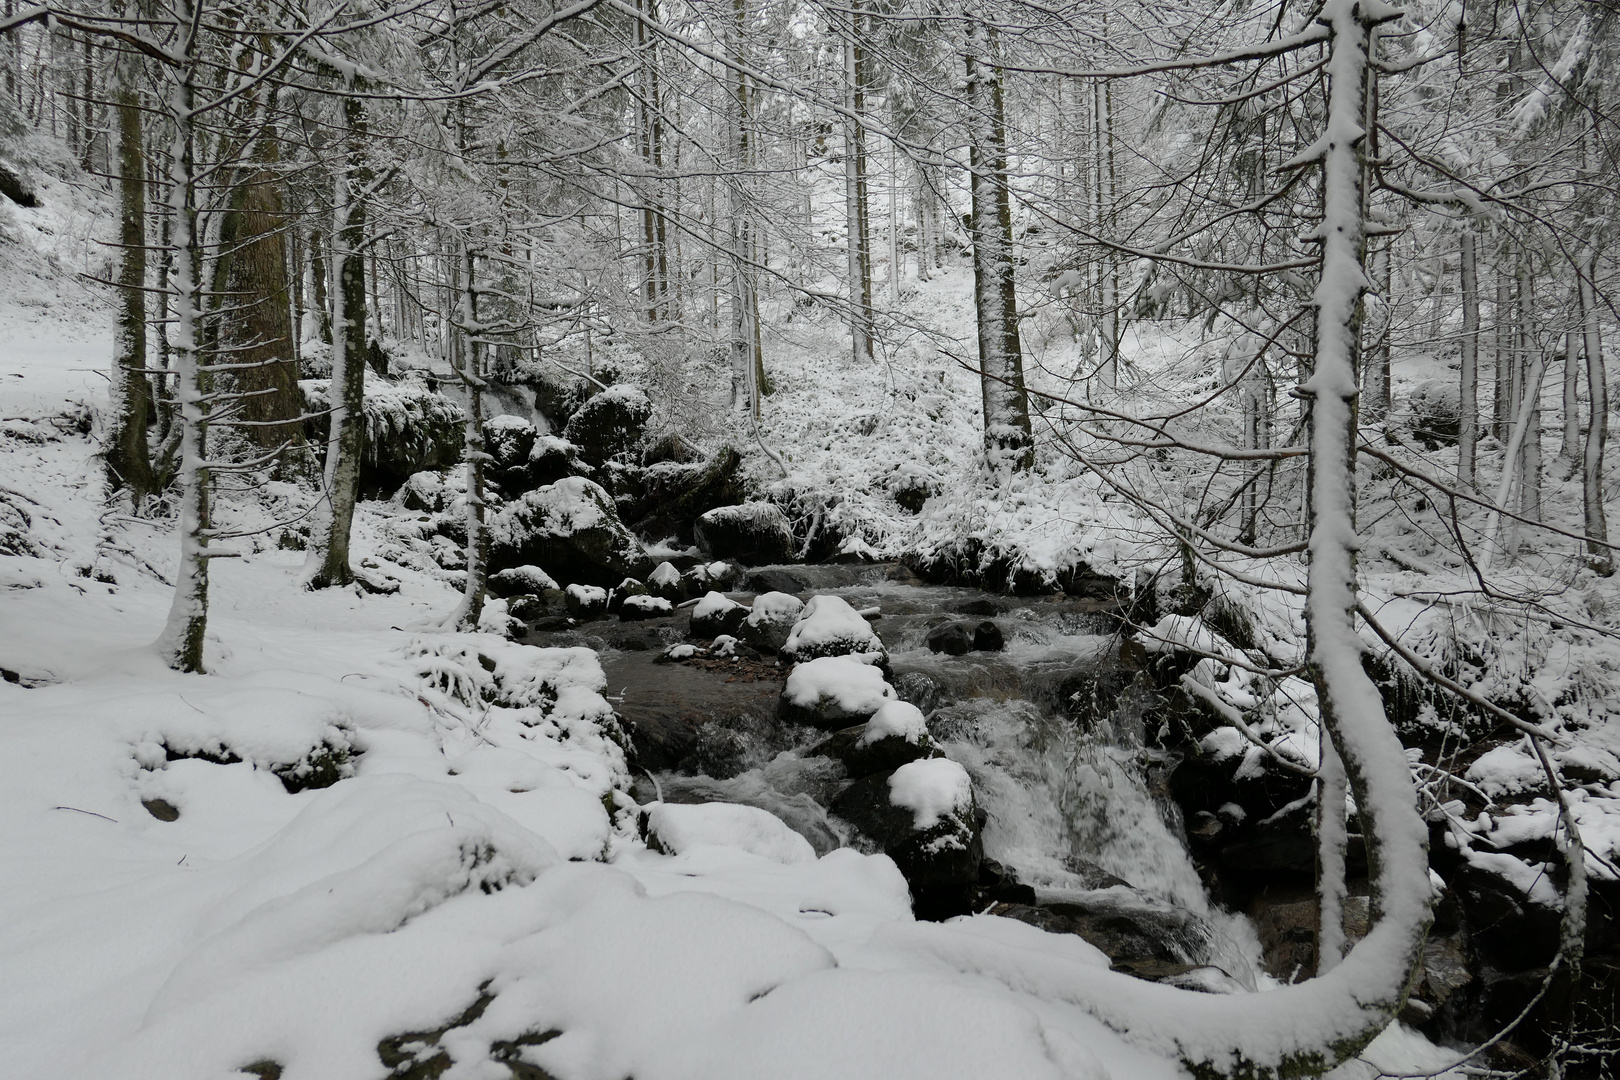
(678, 829)
(931, 788)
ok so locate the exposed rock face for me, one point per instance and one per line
(409, 428)
(930, 827)
(508, 440)
(570, 530)
(611, 424)
(675, 493)
(753, 533)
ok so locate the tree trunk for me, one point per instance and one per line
(258, 326)
(860, 274)
(1007, 431)
(471, 608)
(1468, 389)
(128, 460)
(181, 644)
(1532, 367)
(1108, 271)
(328, 562)
(1598, 555)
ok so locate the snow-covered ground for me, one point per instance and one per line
(179, 897)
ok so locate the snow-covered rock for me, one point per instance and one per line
(611, 424)
(754, 533)
(717, 614)
(521, 580)
(586, 601)
(508, 440)
(677, 829)
(643, 606)
(570, 529)
(895, 735)
(834, 692)
(828, 626)
(771, 620)
(923, 816)
(409, 427)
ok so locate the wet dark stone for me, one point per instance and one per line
(1130, 934)
(952, 639)
(920, 689)
(987, 637)
(882, 756)
(162, 809)
(981, 608)
(764, 581)
(942, 875)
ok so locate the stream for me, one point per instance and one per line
(1051, 730)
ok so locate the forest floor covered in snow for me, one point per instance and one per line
(363, 844)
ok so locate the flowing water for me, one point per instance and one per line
(1051, 730)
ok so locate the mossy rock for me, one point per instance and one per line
(571, 530)
(611, 424)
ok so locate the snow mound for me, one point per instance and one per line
(828, 626)
(931, 788)
(678, 829)
(895, 720)
(846, 684)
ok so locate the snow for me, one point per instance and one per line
(829, 622)
(1504, 771)
(931, 788)
(682, 828)
(713, 604)
(649, 605)
(895, 720)
(848, 682)
(664, 576)
(774, 607)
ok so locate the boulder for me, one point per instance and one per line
(638, 608)
(572, 530)
(923, 816)
(717, 575)
(832, 692)
(508, 440)
(1140, 935)
(828, 626)
(785, 581)
(666, 581)
(551, 459)
(770, 621)
(952, 639)
(753, 533)
(920, 689)
(521, 581)
(558, 395)
(717, 614)
(622, 591)
(585, 601)
(987, 637)
(896, 735)
(611, 424)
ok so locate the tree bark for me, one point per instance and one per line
(181, 644)
(1598, 556)
(860, 272)
(128, 459)
(1007, 433)
(1468, 389)
(328, 563)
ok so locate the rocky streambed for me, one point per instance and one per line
(1094, 803)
